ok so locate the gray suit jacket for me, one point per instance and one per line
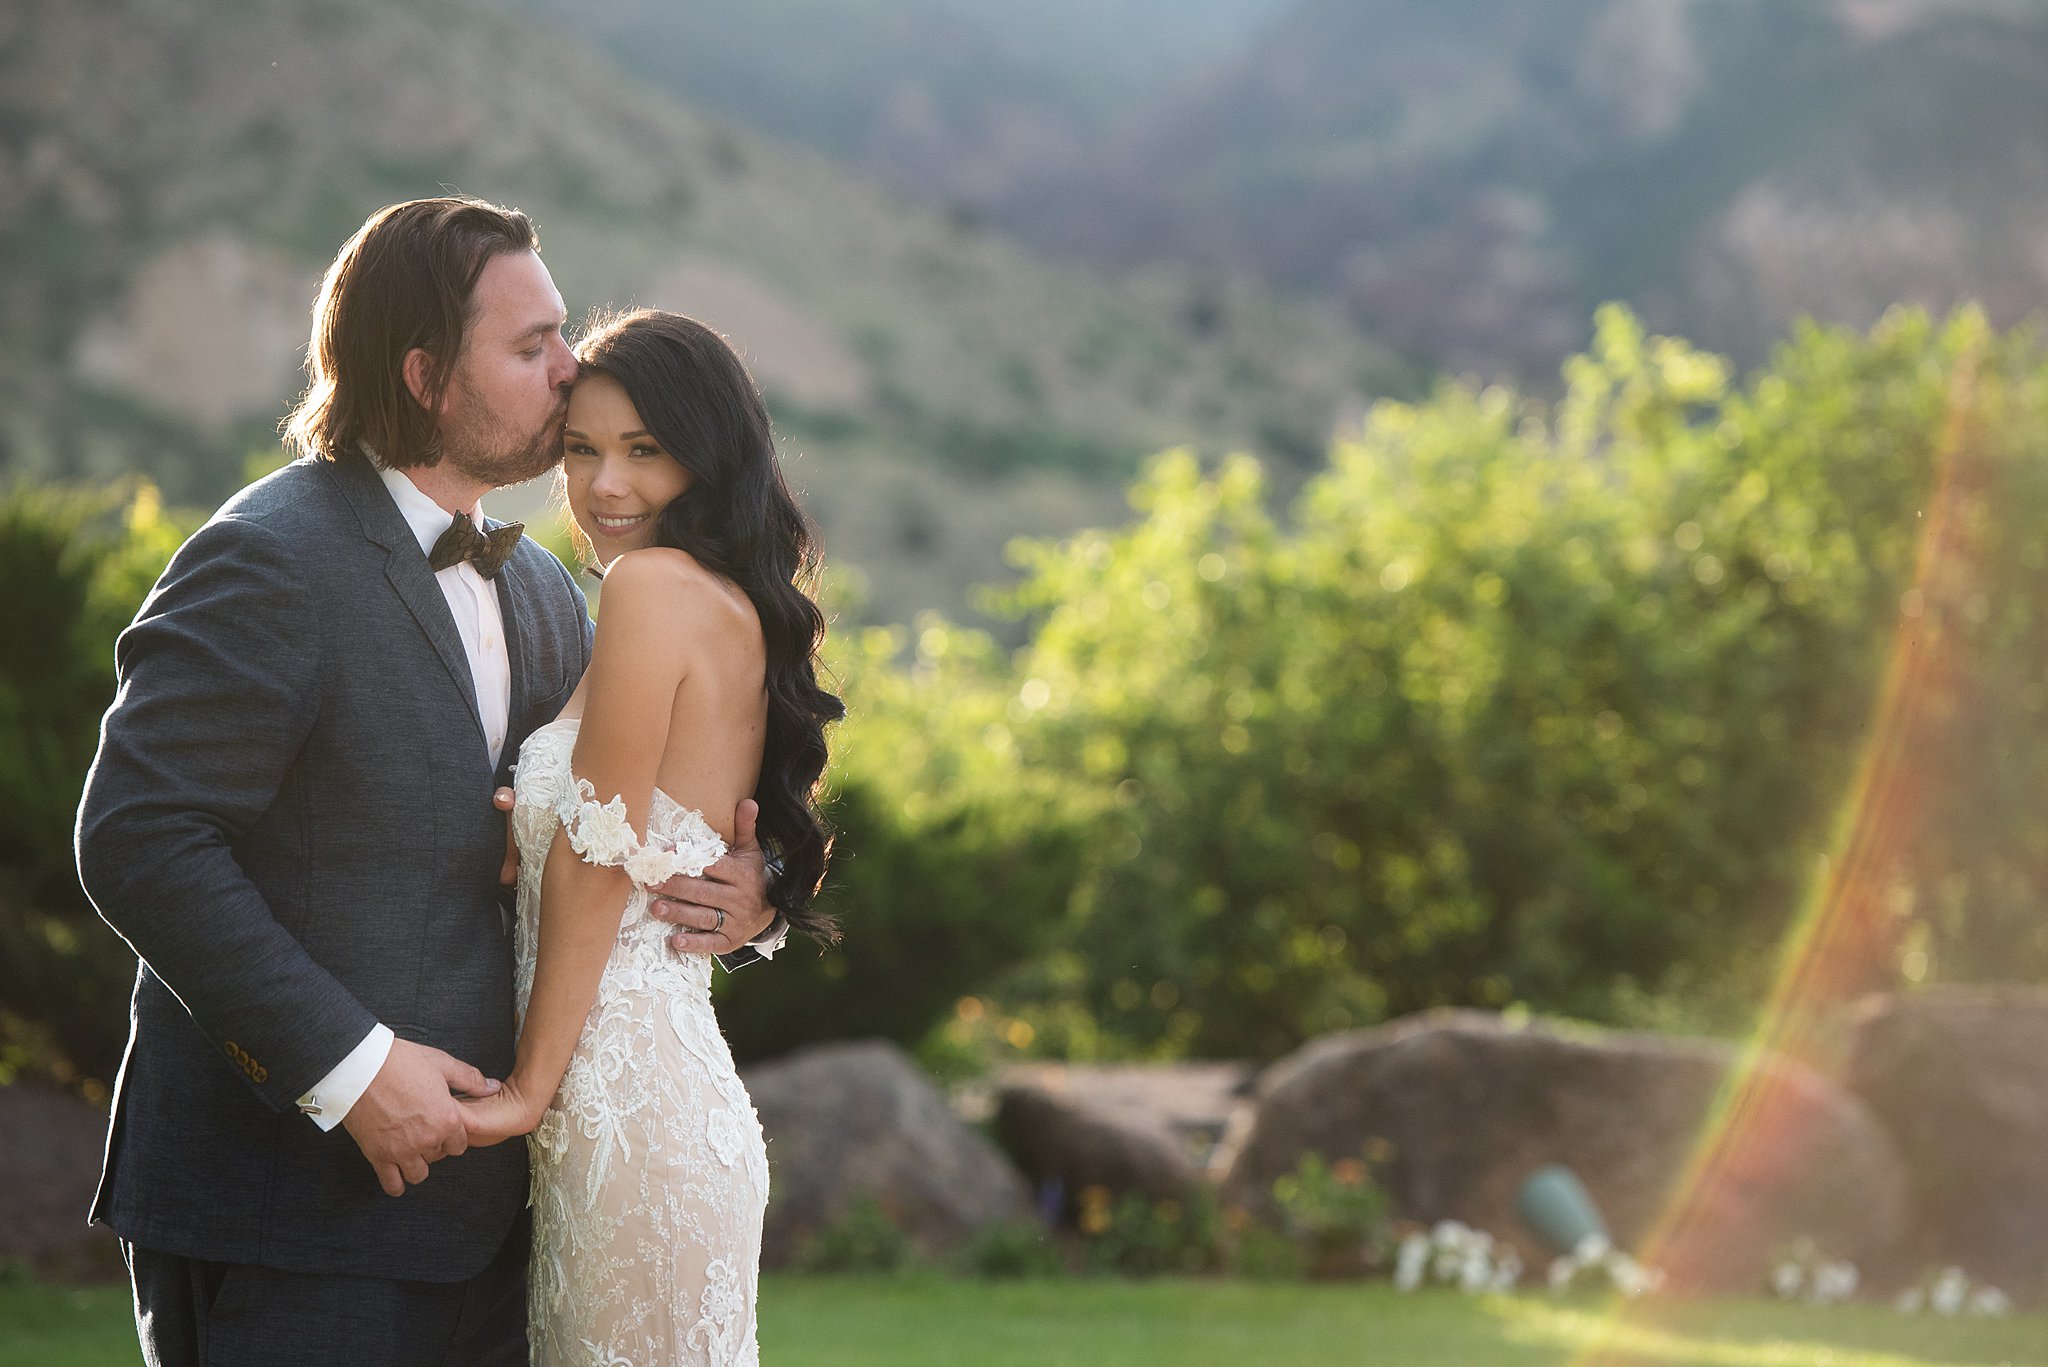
(290, 820)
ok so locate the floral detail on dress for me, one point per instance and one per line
(650, 1174)
(722, 1132)
(723, 1306)
(548, 1136)
(600, 833)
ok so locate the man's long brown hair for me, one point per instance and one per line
(404, 280)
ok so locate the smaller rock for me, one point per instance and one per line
(853, 1120)
(1126, 1128)
(1960, 1075)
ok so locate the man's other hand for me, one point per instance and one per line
(736, 885)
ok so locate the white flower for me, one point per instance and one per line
(1411, 1262)
(1562, 1270)
(1631, 1278)
(1787, 1279)
(1477, 1273)
(1593, 1248)
(1507, 1270)
(1951, 1289)
(1836, 1281)
(1989, 1300)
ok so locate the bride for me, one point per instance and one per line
(650, 1177)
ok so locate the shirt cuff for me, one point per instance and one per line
(770, 940)
(330, 1099)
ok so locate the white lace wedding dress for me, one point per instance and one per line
(650, 1177)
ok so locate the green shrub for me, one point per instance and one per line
(77, 564)
(1336, 1214)
(954, 863)
(1136, 1236)
(1259, 1252)
(1012, 1248)
(863, 1239)
(1550, 704)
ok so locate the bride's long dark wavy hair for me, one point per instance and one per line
(739, 519)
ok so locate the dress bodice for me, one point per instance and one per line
(548, 795)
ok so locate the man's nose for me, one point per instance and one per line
(563, 366)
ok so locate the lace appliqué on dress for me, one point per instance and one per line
(601, 834)
(650, 1175)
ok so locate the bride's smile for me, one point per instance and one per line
(617, 477)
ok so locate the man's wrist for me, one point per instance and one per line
(327, 1102)
(771, 938)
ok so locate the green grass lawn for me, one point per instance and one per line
(931, 1322)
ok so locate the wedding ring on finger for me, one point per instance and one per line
(719, 929)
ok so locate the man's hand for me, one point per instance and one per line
(408, 1117)
(736, 885)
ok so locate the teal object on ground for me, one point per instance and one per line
(1558, 1208)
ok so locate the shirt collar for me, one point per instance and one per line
(427, 518)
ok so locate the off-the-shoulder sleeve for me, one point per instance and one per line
(601, 833)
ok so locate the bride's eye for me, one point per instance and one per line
(644, 450)
(577, 448)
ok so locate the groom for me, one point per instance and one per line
(290, 820)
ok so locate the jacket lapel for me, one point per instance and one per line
(405, 566)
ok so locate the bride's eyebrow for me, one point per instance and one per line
(572, 432)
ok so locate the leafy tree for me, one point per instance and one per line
(954, 860)
(1549, 705)
(77, 565)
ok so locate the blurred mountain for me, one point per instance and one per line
(954, 100)
(174, 174)
(1469, 177)
(1474, 176)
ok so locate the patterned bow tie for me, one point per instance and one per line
(487, 551)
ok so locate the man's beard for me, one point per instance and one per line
(488, 453)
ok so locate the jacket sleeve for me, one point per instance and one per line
(218, 681)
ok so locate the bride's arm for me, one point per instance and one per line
(641, 657)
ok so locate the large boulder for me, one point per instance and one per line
(1142, 1128)
(1960, 1076)
(860, 1120)
(1460, 1108)
(50, 1148)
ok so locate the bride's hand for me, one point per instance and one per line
(507, 1114)
(508, 868)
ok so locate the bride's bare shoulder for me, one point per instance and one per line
(661, 582)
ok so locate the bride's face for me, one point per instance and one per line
(617, 476)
